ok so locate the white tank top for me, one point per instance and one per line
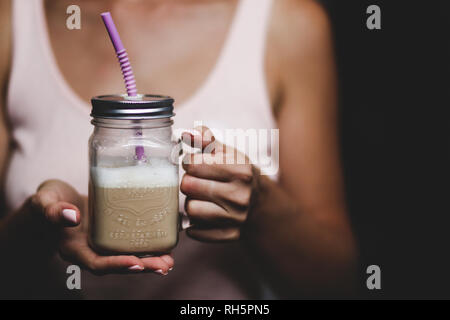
(51, 126)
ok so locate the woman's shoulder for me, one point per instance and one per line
(298, 26)
(299, 44)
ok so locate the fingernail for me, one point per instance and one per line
(159, 271)
(167, 259)
(170, 269)
(70, 215)
(136, 267)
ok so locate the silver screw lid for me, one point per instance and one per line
(145, 106)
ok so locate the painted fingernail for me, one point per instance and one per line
(70, 215)
(159, 271)
(136, 268)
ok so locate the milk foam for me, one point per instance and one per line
(157, 173)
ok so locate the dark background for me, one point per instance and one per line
(394, 114)
(394, 96)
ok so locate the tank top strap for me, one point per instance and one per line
(26, 32)
(247, 40)
(34, 65)
(29, 63)
(24, 18)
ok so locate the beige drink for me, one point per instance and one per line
(134, 209)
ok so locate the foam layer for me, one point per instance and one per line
(158, 173)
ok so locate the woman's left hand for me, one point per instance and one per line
(219, 193)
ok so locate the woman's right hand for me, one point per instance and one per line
(65, 212)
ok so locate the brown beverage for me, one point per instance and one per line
(134, 209)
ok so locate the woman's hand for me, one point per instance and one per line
(64, 212)
(219, 192)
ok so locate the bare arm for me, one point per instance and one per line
(302, 222)
(297, 228)
(15, 228)
(54, 218)
(5, 58)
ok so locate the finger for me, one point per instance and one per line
(168, 259)
(203, 138)
(84, 256)
(193, 140)
(214, 235)
(208, 213)
(63, 191)
(216, 167)
(225, 194)
(201, 189)
(56, 212)
(160, 265)
(63, 214)
(119, 264)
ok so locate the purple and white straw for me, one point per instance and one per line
(121, 53)
(125, 65)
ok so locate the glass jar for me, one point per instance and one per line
(133, 185)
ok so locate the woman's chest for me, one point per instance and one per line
(173, 56)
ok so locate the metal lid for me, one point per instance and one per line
(144, 106)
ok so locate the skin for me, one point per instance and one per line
(297, 228)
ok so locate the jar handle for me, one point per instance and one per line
(176, 152)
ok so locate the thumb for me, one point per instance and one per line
(63, 191)
(52, 201)
(203, 138)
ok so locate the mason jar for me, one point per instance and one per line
(133, 185)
